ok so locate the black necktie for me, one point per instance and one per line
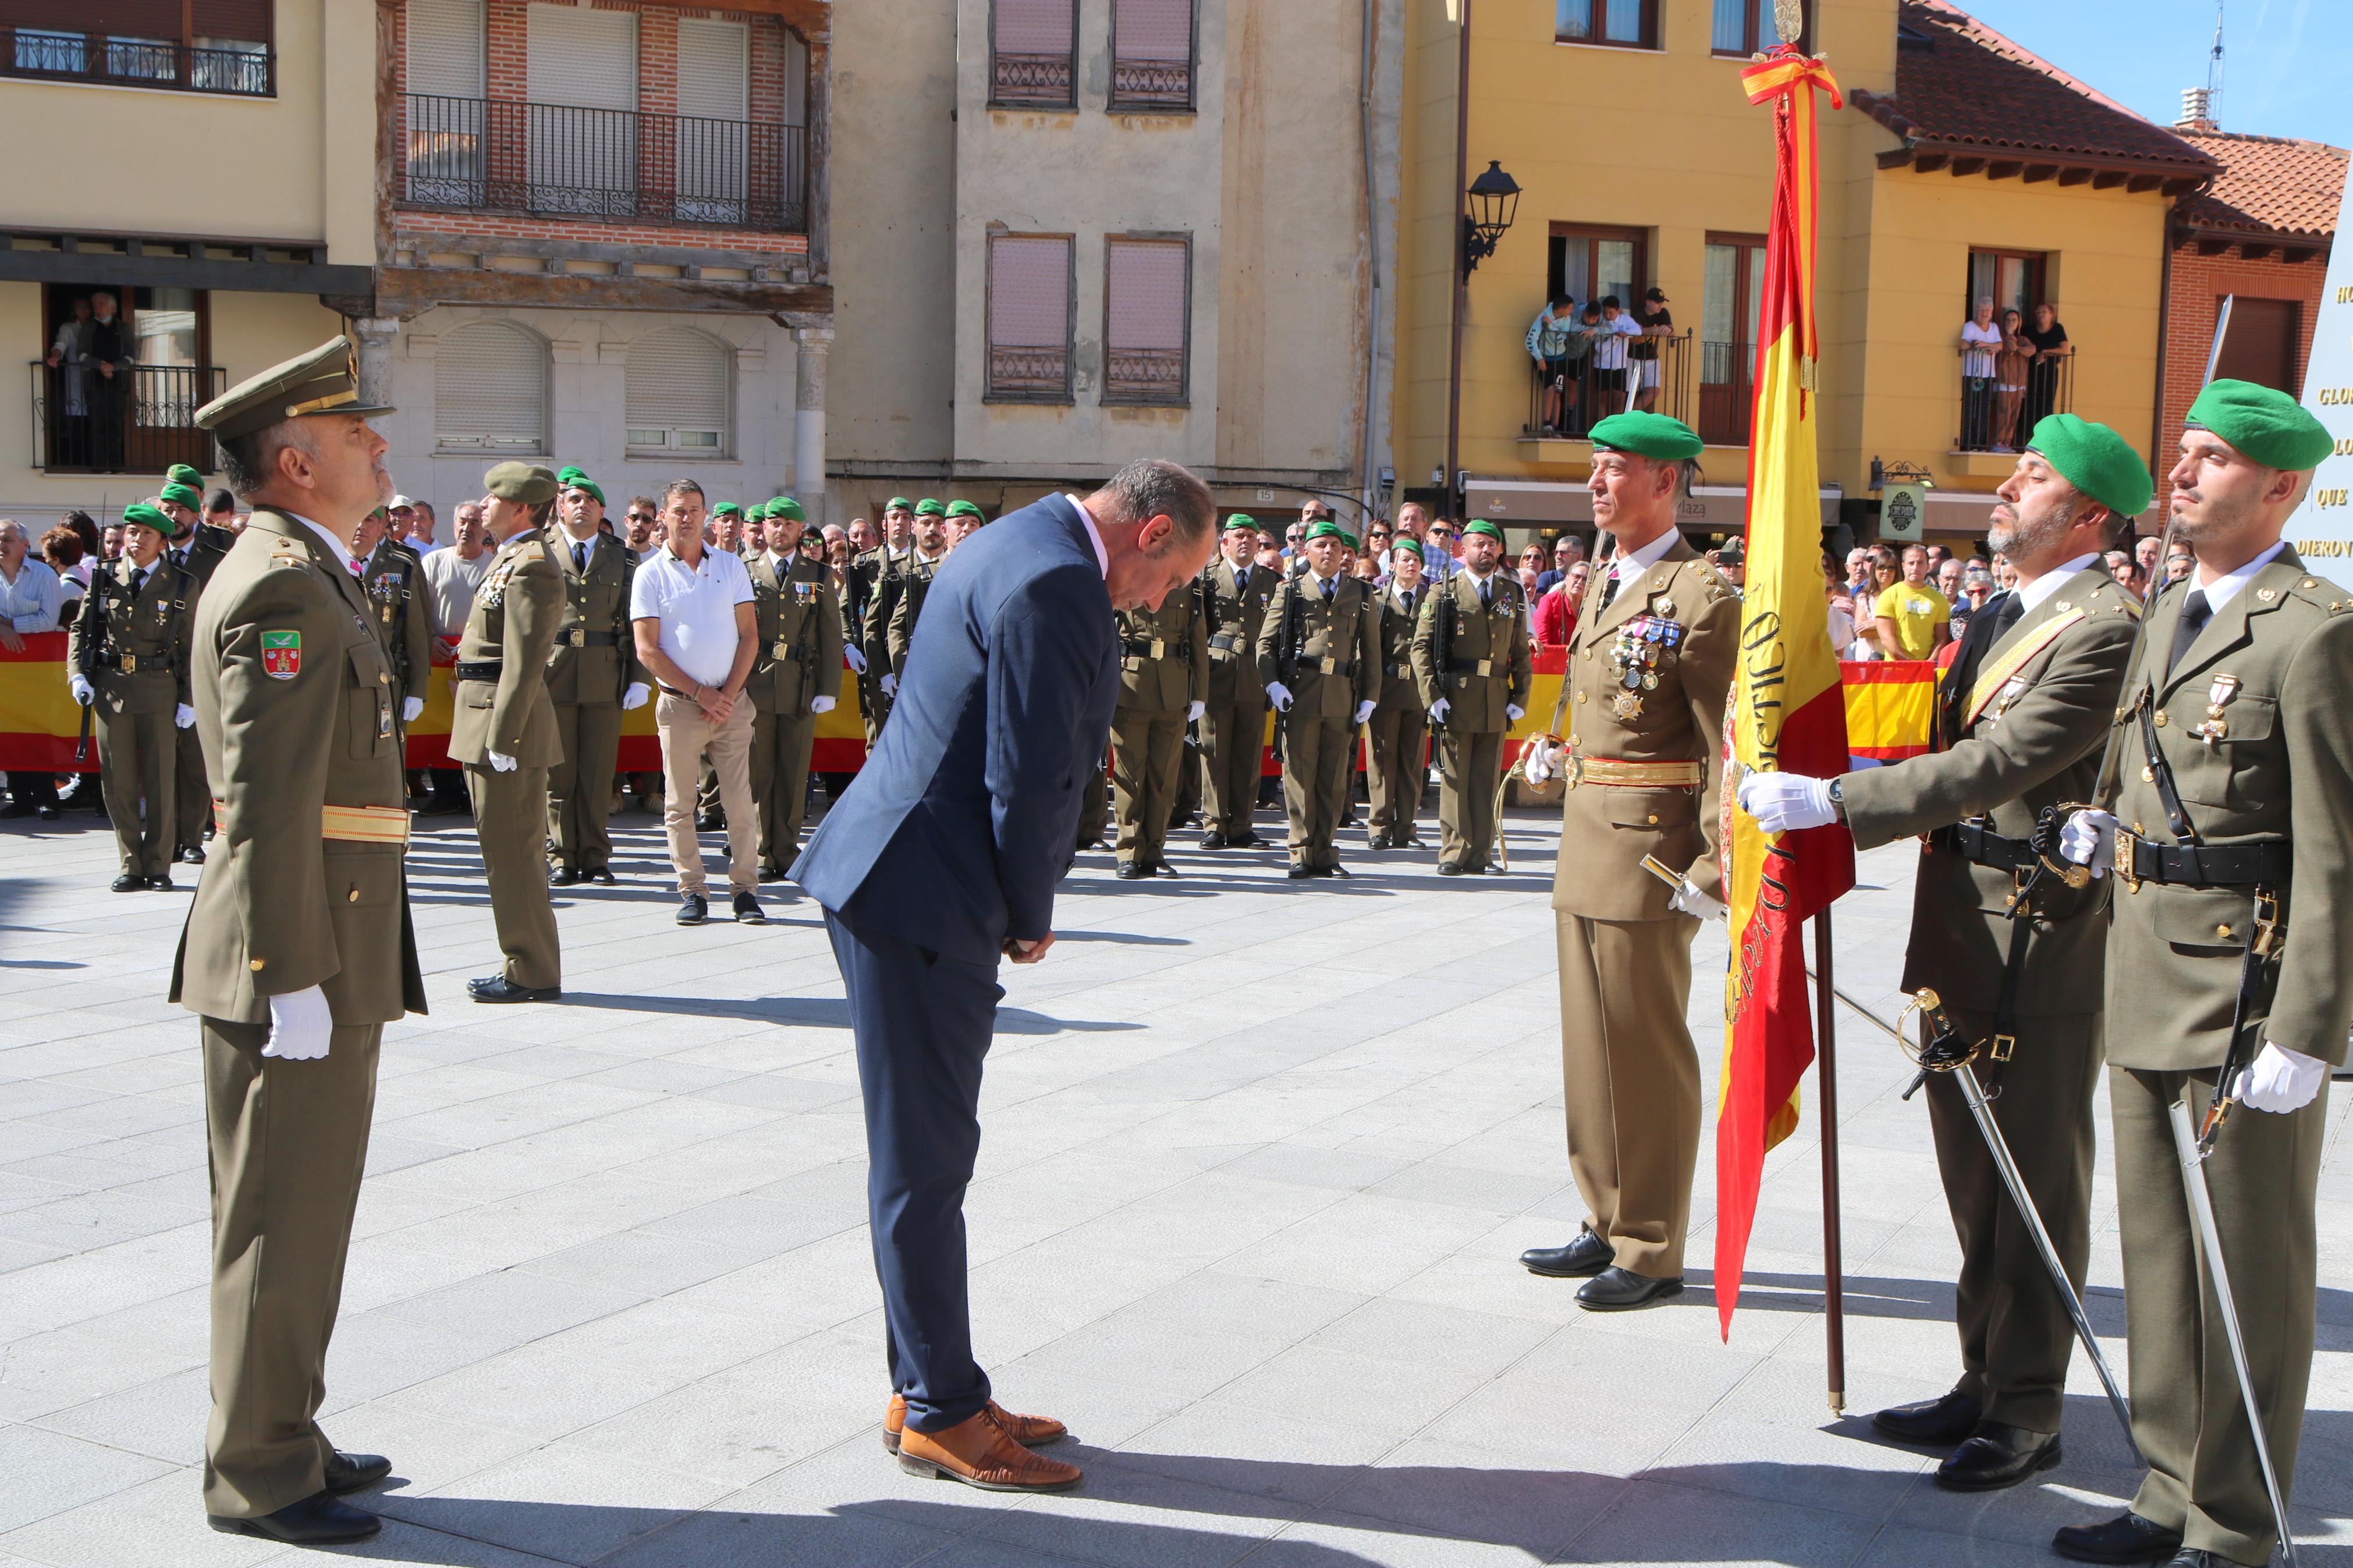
(137, 580)
(1241, 580)
(1486, 592)
(580, 559)
(2195, 613)
(1608, 588)
(1986, 628)
(1330, 585)
(1405, 599)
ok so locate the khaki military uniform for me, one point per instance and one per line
(1643, 779)
(2027, 736)
(131, 642)
(199, 556)
(1399, 728)
(395, 577)
(296, 718)
(589, 670)
(799, 620)
(1233, 727)
(502, 706)
(905, 589)
(1164, 669)
(863, 621)
(1330, 659)
(1473, 652)
(2254, 724)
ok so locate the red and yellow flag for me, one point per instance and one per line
(1787, 712)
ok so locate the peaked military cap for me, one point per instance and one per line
(2270, 427)
(2096, 460)
(525, 482)
(1648, 435)
(324, 381)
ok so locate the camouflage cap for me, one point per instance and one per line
(324, 381)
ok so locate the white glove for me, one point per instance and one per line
(857, 659)
(1193, 713)
(1364, 711)
(183, 716)
(889, 684)
(299, 1025)
(1439, 711)
(410, 706)
(1280, 695)
(820, 704)
(81, 691)
(635, 697)
(2090, 839)
(1782, 803)
(2281, 1080)
(501, 761)
(1688, 900)
(1540, 761)
(1514, 712)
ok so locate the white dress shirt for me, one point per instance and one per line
(2225, 588)
(2032, 594)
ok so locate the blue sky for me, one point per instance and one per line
(2285, 60)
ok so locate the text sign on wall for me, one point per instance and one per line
(2322, 528)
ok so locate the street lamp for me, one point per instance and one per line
(1494, 202)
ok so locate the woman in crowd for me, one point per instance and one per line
(1842, 606)
(1886, 571)
(2051, 346)
(2009, 363)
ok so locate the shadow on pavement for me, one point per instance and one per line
(818, 1012)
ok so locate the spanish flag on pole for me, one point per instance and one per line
(1787, 711)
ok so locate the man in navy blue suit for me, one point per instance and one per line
(941, 860)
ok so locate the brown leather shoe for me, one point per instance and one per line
(981, 1453)
(1030, 1431)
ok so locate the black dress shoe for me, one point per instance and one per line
(159, 884)
(348, 1473)
(1377, 841)
(2199, 1557)
(1129, 870)
(602, 875)
(748, 911)
(191, 856)
(1244, 841)
(320, 1519)
(126, 883)
(1300, 872)
(1937, 1422)
(1618, 1290)
(50, 814)
(693, 909)
(2127, 1538)
(563, 877)
(1998, 1454)
(1213, 839)
(499, 988)
(1586, 1256)
(771, 873)
(1449, 868)
(1163, 869)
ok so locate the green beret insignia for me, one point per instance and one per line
(962, 509)
(2096, 460)
(2269, 426)
(1480, 525)
(927, 506)
(181, 474)
(1648, 435)
(1241, 520)
(1324, 528)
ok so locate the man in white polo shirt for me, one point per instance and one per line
(692, 610)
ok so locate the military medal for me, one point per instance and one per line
(2217, 726)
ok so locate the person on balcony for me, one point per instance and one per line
(2010, 365)
(1547, 345)
(1653, 322)
(2051, 346)
(1980, 340)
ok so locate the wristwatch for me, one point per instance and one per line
(1838, 798)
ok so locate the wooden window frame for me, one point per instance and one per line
(1756, 31)
(1589, 232)
(1601, 12)
(997, 101)
(1117, 105)
(1068, 395)
(1183, 397)
(2040, 260)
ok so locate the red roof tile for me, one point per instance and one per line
(2268, 184)
(1960, 85)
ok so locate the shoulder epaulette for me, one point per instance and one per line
(2322, 594)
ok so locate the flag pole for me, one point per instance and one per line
(1825, 1086)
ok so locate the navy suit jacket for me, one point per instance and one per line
(965, 818)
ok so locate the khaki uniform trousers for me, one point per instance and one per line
(1315, 757)
(1233, 748)
(2187, 1413)
(873, 706)
(687, 735)
(286, 1142)
(193, 795)
(1399, 734)
(1094, 807)
(1469, 767)
(2016, 1336)
(511, 823)
(1146, 750)
(580, 788)
(780, 767)
(1629, 1075)
(138, 760)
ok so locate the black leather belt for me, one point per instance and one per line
(139, 663)
(479, 669)
(1225, 642)
(1980, 846)
(578, 637)
(2265, 864)
(1402, 670)
(1146, 647)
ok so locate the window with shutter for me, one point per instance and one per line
(443, 128)
(1029, 318)
(679, 394)
(490, 391)
(1033, 47)
(582, 79)
(2262, 344)
(714, 104)
(1152, 54)
(1147, 290)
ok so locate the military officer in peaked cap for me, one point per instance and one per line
(504, 729)
(2032, 688)
(298, 948)
(2229, 825)
(1636, 741)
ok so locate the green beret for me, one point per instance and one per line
(1480, 525)
(1649, 435)
(927, 506)
(962, 509)
(1409, 545)
(181, 474)
(571, 479)
(324, 381)
(2270, 427)
(2096, 460)
(525, 482)
(1323, 527)
(756, 512)
(785, 506)
(139, 514)
(898, 503)
(1241, 520)
(181, 495)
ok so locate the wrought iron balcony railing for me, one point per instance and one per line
(140, 420)
(1028, 374)
(1568, 404)
(1032, 82)
(1999, 411)
(1144, 376)
(48, 55)
(1151, 84)
(501, 155)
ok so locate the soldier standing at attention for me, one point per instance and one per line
(916, 570)
(196, 548)
(1233, 726)
(2235, 792)
(1471, 660)
(128, 650)
(394, 576)
(503, 730)
(1399, 726)
(862, 585)
(1650, 670)
(2030, 694)
(1318, 653)
(298, 948)
(795, 676)
(593, 677)
(727, 528)
(1164, 678)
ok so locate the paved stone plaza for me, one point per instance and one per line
(1260, 1158)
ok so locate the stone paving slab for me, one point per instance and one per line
(1260, 1157)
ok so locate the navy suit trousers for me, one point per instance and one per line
(924, 1021)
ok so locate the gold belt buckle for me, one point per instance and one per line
(1574, 773)
(576, 637)
(129, 664)
(1486, 667)
(779, 650)
(2125, 844)
(1328, 665)
(1159, 649)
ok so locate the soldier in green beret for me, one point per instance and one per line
(1233, 728)
(2228, 818)
(128, 652)
(795, 676)
(901, 601)
(1471, 666)
(1319, 656)
(1399, 731)
(593, 677)
(866, 617)
(196, 547)
(727, 527)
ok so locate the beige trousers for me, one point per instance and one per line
(687, 735)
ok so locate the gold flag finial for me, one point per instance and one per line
(1788, 19)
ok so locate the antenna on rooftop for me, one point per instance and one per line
(2214, 63)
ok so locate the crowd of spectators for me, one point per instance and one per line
(1596, 359)
(2010, 374)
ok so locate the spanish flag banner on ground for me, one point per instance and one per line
(1787, 710)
